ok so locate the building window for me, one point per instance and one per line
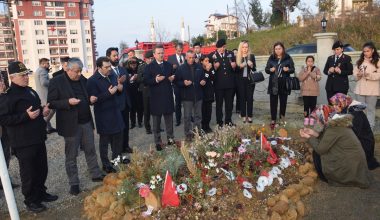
(61, 23)
(37, 13)
(85, 14)
(41, 51)
(26, 61)
(39, 32)
(85, 5)
(61, 32)
(19, 3)
(20, 13)
(52, 42)
(53, 51)
(7, 32)
(71, 4)
(75, 50)
(72, 23)
(88, 40)
(21, 23)
(62, 42)
(59, 4)
(24, 52)
(40, 41)
(73, 31)
(74, 41)
(49, 13)
(36, 3)
(37, 22)
(22, 32)
(60, 14)
(71, 13)
(63, 51)
(88, 49)
(23, 42)
(87, 31)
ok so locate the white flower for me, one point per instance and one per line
(207, 167)
(217, 170)
(152, 187)
(152, 182)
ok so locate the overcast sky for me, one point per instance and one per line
(128, 20)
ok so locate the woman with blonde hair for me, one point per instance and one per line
(367, 75)
(246, 63)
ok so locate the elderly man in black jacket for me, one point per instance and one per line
(23, 116)
(68, 95)
(159, 76)
(190, 79)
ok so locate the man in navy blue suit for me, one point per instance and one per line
(123, 98)
(177, 60)
(105, 86)
(159, 76)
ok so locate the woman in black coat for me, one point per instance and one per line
(344, 104)
(208, 93)
(279, 66)
(245, 64)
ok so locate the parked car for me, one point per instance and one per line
(312, 48)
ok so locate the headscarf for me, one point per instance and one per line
(342, 101)
(322, 113)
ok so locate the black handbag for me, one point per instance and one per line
(292, 83)
(256, 76)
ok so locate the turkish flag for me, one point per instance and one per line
(264, 143)
(169, 194)
(272, 158)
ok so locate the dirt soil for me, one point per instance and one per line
(326, 203)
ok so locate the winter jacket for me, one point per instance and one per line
(277, 79)
(368, 85)
(309, 81)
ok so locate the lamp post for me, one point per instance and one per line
(137, 44)
(324, 23)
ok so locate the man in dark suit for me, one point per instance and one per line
(123, 98)
(338, 67)
(197, 52)
(159, 76)
(23, 116)
(108, 119)
(145, 90)
(68, 95)
(63, 69)
(190, 78)
(177, 60)
(224, 81)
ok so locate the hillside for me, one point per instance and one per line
(354, 30)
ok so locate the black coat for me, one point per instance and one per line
(240, 71)
(60, 92)
(338, 82)
(363, 131)
(123, 98)
(59, 72)
(161, 93)
(194, 91)
(208, 88)
(273, 61)
(172, 59)
(108, 117)
(225, 74)
(22, 130)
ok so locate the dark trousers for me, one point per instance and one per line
(125, 114)
(6, 145)
(168, 126)
(309, 104)
(116, 141)
(85, 138)
(246, 90)
(137, 108)
(33, 171)
(238, 100)
(273, 105)
(330, 94)
(206, 114)
(178, 104)
(146, 100)
(227, 96)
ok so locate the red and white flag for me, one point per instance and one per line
(169, 194)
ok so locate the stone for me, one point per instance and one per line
(122, 175)
(308, 181)
(304, 191)
(300, 208)
(295, 198)
(312, 174)
(284, 198)
(302, 169)
(110, 215)
(281, 207)
(297, 187)
(275, 216)
(105, 199)
(151, 200)
(291, 214)
(127, 216)
(119, 209)
(271, 202)
(111, 179)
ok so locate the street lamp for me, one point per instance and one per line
(137, 44)
(324, 24)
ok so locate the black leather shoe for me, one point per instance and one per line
(74, 190)
(35, 207)
(128, 150)
(51, 130)
(49, 198)
(148, 131)
(158, 147)
(98, 179)
(171, 141)
(178, 123)
(109, 169)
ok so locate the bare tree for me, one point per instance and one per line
(243, 11)
(123, 45)
(327, 6)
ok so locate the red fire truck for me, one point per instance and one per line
(169, 48)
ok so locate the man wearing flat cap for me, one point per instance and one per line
(197, 52)
(338, 67)
(23, 116)
(224, 82)
(145, 90)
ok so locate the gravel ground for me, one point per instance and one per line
(69, 207)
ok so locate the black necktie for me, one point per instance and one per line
(180, 60)
(162, 67)
(336, 58)
(108, 79)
